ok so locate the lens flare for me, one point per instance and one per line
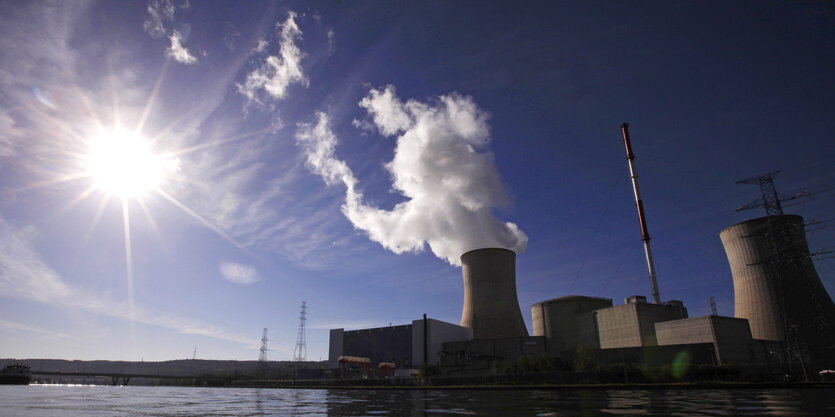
(680, 365)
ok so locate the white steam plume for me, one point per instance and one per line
(451, 187)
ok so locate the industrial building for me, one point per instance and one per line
(406, 346)
(490, 313)
(730, 336)
(633, 324)
(776, 286)
(568, 322)
(479, 353)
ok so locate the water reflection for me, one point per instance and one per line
(560, 403)
(181, 401)
(581, 403)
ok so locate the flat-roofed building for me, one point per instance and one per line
(730, 336)
(633, 324)
(404, 345)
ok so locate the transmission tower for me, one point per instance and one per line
(713, 310)
(770, 199)
(300, 354)
(787, 259)
(262, 357)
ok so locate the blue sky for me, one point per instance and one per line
(346, 153)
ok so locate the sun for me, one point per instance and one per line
(122, 164)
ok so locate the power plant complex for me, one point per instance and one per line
(782, 324)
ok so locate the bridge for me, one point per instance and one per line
(115, 377)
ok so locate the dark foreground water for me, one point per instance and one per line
(62, 400)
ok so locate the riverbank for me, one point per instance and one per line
(317, 384)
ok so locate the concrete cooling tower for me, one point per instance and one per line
(758, 280)
(491, 307)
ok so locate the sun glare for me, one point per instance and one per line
(121, 164)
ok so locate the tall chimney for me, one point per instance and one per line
(491, 307)
(653, 282)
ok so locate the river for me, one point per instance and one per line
(107, 401)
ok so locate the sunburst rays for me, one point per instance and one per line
(80, 127)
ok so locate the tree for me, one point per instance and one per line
(584, 359)
(427, 371)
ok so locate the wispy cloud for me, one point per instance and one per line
(41, 101)
(24, 275)
(261, 46)
(5, 324)
(331, 41)
(451, 187)
(238, 273)
(230, 36)
(9, 134)
(278, 71)
(278, 215)
(265, 207)
(159, 12)
(178, 52)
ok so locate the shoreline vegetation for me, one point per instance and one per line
(521, 373)
(318, 384)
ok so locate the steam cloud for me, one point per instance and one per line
(451, 187)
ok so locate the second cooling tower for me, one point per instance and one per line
(778, 289)
(491, 307)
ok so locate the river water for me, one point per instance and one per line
(70, 401)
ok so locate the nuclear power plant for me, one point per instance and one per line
(782, 325)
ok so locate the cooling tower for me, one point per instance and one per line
(491, 307)
(758, 279)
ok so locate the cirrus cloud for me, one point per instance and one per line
(160, 12)
(238, 273)
(178, 52)
(278, 71)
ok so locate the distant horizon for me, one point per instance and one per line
(163, 360)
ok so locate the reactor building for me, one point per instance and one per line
(568, 322)
(776, 287)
